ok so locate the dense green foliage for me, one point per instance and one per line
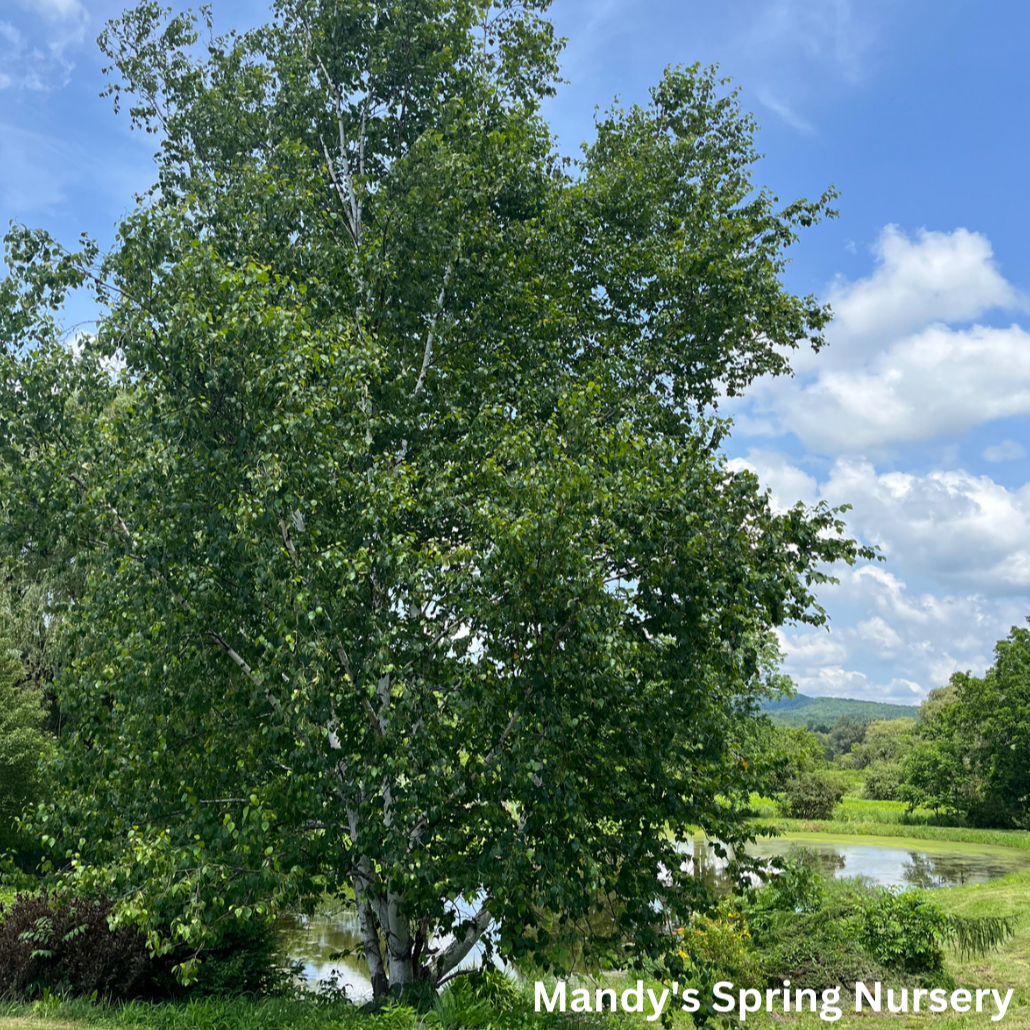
(811, 795)
(822, 933)
(884, 741)
(22, 745)
(64, 945)
(409, 565)
(971, 754)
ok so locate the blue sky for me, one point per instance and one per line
(918, 414)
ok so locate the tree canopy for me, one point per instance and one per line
(409, 564)
(971, 753)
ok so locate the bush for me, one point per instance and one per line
(905, 930)
(721, 942)
(64, 945)
(493, 985)
(883, 781)
(247, 960)
(992, 812)
(817, 950)
(811, 796)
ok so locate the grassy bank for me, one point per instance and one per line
(857, 816)
(1019, 839)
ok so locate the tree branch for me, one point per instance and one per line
(452, 955)
(427, 355)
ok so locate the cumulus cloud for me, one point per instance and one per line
(962, 530)
(940, 381)
(888, 643)
(964, 538)
(786, 483)
(935, 277)
(899, 370)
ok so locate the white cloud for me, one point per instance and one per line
(1007, 450)
(767, 99)
(895, 371)
(34, 56)
(940, 381)
(57, 10)
(886, 643)
(880, 636)
(964, 531)
(786, 483)
(961, 530)
(822, 31)
(936, 277)
(964, 538)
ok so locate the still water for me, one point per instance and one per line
(314, 940)
(897, 865)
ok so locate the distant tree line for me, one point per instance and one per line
(966, 758)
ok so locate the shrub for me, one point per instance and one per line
(992, 812)
(495, 986)
(64, 945)
(819, 947)
(883, 781)
(811, 796)
(247, 960)
(796, 887)
(905, 930)
(722, 942)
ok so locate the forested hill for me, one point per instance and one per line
(824, 711)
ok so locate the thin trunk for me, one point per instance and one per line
(370, 941)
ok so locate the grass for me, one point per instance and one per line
(857, 816)
(206, 1014)
(854, 809)
(945, 834)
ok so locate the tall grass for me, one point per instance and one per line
(859, 810)
(859, 817)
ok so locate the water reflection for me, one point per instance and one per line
(328, 946)
(906, 867)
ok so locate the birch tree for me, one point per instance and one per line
(415, 570)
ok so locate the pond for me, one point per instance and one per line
(906, 864)
(888, 861)
(314, 940)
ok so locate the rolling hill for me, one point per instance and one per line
(802, 710)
